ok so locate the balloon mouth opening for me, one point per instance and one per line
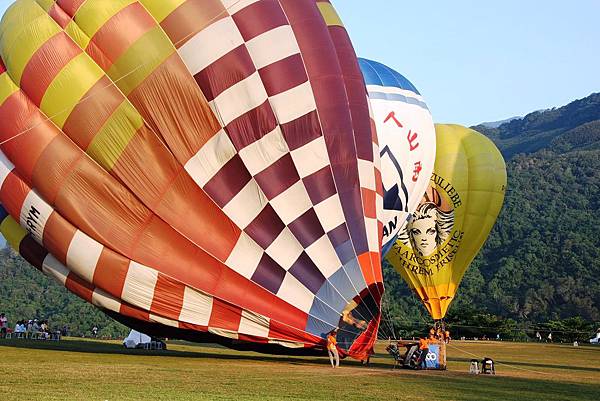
(356, 318)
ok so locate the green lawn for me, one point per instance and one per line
(76, 369)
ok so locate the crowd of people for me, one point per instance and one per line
(32, 328)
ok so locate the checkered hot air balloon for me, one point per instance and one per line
(202, 169)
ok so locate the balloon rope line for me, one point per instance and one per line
(499, 363)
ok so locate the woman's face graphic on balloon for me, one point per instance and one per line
(423, 232)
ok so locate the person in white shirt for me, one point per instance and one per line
(3, 325)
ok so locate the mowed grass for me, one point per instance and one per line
(76, 369)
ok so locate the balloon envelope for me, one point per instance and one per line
(454, 218)
(167, 163)
(407, 143)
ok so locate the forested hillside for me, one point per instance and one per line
(542, 259)
(540, 264)
(26, 293)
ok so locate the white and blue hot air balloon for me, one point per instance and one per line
(406, 141)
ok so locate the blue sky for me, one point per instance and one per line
(480, 61)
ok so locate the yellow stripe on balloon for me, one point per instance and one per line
(7, 87)
(69, 87)
(12, 232)
(112, 139)
(161, 9)
(78, 36)
(141, 59)
(19, 41)
(92, 15)
(329, 14)
(46, 4)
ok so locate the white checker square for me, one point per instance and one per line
(367, 174)
(246, 204)
(254, 324)
(223, 332)
(104, 300)
(311, 157)
(241, 98)
(5, 167)
(53, 268)
(233, 6)
(321, 251)
(267, 150)
(210, 44)
(330, 213)
(211, 158)
(140, 282)
(273, 46)
(295, 293)
(372, 234)
(163, 320)
(196, 308)
(294, 103)
(83, 255)
(245, 256)
(285, 250)
(292, 203)
(34, 215)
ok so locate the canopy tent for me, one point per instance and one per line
(136, 339)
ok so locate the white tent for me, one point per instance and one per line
(136, 339)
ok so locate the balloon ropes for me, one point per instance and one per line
(197, 169)
(454, 217)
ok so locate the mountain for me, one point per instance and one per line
(573, 126)
(496, 124)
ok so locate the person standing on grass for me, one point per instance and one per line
(550, 337)
(424, 348)
(334, 356)
(3, 325)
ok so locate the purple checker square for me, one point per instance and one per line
(320, 185)
(307, 273)
(266, 227)
(278, 177)
(307, 228)
(228, 181)
(269, 274)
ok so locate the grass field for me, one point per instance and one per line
(76, 369)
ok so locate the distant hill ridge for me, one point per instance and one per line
(570, 127)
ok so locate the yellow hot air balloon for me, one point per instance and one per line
(455, 217)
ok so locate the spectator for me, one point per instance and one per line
(3, 325)
(550, 337)
(95, 331)
(538, 336)
(332, 350)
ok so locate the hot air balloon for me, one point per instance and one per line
(454, 218)
(196, 169)
(406, 143)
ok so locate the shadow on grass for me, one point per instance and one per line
(534, 365)
(98, 347)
